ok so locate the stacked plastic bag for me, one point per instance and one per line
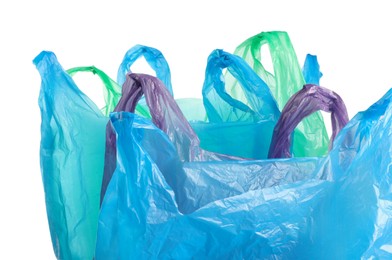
(248, 172)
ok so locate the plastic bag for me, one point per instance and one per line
(72, 156)
(233, 127)
(340, 211)
(242, 131)
(247, 128)
(168, 118)
(310, 137)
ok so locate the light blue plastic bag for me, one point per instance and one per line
(72, 159)
(341, 210)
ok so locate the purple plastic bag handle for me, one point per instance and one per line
(165, 112)
(308, 100)
(166, 115)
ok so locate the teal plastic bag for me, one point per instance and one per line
(72, 156)
(310, 137)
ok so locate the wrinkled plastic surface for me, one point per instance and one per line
(341, 211)
(311, 70)
(234, 127)
(310, 137)
(165, 114)
(72, 157)
(308, 100)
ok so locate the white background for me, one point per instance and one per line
(351, 38)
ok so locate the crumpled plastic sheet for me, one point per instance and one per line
(342, 211)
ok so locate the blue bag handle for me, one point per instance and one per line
(311, 70)
(256, 90)
(153, 57)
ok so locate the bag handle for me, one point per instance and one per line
(166, 114)
(154, 58)
(284, 60)
(286, 81)
(302, 104)
(311, 70)
(112, 91)
(257, 92)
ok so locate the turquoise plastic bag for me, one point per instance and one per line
(339, 211)
(71, 156)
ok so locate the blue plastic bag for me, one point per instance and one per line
(140, 218)
(72, 159)
(233, 127)
(341, 211)
(167, 116)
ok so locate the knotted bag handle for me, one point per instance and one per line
(308, 100)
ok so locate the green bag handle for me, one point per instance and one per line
(310, 137)
(111, 90)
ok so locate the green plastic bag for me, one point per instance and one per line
(310, 137)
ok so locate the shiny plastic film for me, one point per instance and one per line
(335, 212)
(310, 136)
(245, 172)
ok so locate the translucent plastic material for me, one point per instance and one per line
(302, 104)
(166, 115)
(205, 182)
(311, 70)
(153, 57)
(111, 91)
(341, 210)
(233, 127)
(310, 137)
(72, 156)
